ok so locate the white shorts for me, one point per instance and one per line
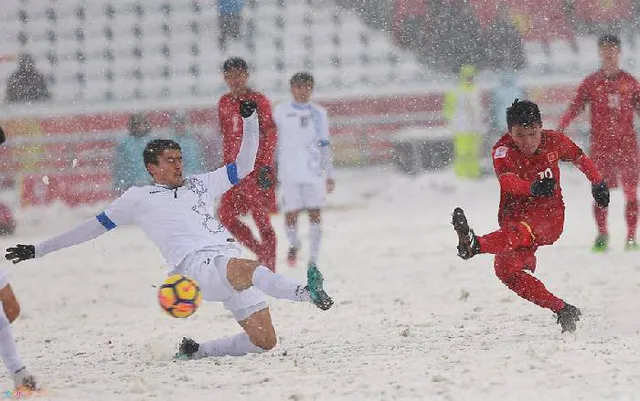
(4, 279)
(302, 196)
(208, 268)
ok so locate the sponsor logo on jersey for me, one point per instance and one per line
(552, 156)
(500, 153)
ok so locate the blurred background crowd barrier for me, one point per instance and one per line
(73, 71)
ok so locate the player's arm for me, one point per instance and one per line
(577, 105)
(511, 183)
(120, 211)
(225, 123)
(506, 172)
(220, 180)
(571, 152)
(268, 144)
(268, 134)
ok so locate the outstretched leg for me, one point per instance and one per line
(510, 269)
(242, 274)
(513, 245)
(259, 336)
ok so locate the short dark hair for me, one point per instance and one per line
(301, 78)
(609, 40)
(523, 112)
(155, 148)
(234, 63)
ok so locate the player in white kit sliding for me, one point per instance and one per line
(175, 213)
(9, 310)
(305, 164)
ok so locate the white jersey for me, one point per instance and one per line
(178, 220)
(303, 132)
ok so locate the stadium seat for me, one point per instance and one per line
(126, 47)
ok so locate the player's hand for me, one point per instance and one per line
(600, 193)
(265, 177)
(543, 187)
(20, 252)
(247, 107)
(331, 184)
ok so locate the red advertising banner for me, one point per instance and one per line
(603, 11)
(68, 158)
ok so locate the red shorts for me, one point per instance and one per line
(545, 229)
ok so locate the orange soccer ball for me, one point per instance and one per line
(179, 296)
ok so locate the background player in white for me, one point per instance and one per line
(305, 163)
(176, 215)
(22, 379)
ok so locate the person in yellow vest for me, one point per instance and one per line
(464, 114)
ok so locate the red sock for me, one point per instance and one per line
(631, 215)
(240, 231)
(601, 218)
(506, 239)
(267, 254)
(530, 288)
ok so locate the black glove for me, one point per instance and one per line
(265, 177)
(543, 187)
(20, 252)
(247, 107)
(2, 136)
(600, 193)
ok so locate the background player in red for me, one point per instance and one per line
(531, 212)
(613, 96)
(256, 192)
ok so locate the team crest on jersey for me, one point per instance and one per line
(500, 153)
(552, 156)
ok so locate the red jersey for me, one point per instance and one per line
(612, 101)
(517, 171)
(231, 127)
(231, 130)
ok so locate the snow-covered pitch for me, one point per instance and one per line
(411, 320)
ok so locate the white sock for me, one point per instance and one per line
(292, 235)
(315, 236)
(278, 286)
(238, 345)
(8, 348)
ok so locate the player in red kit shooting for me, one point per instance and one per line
(613, 96)
(255, 194)
(531, 212)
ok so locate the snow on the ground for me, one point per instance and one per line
(411, 320)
